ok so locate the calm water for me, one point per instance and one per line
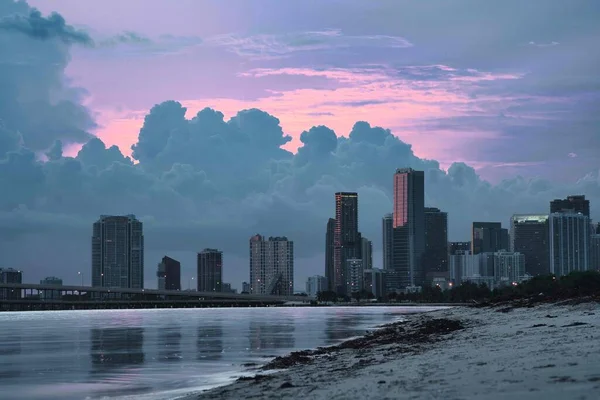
(160, 354)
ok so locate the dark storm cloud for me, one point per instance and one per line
(36, 26)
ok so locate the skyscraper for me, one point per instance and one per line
(210, 270)
(346, 239)
(367, 253)
(387, 227)
(435, 258)
(329, 251)
(169, 274)
(488, 237)
(271, 266)
(595, 252)
(569, 242)
(118, 252)
(10, 275)
(529, 236)
(576, 203)
(409, 228)
(315, 285)
(455, 247)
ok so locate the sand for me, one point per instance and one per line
(546, 352)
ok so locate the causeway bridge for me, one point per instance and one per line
(34, 297)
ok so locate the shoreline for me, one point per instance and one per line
(481, 348)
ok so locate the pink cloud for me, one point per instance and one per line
(368, 94)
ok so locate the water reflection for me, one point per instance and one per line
(10, 350)
(271, 336)
(169, 342)
(116, 348)
(340, 327)
(209, 342)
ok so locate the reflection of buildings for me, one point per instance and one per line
(209, 342)
(339, 328)
(9, 275)
(118, 252)
(113, 348)
(169, 344)
(10, 357)
(272, 336)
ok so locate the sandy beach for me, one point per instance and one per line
(549, 351)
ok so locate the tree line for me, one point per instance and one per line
(543, 287)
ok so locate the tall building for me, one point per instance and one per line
(316, 284)
(367, 253)
(409, 228)
(354, 275)
(435, 257)
(488, 237)
(271, 266)
(118, 252)
(329, 251)
(245, 287)
(374, 281)
(569, 242)
(10, 275)
(529, 236)
(210, 271)
(346, 239)
(387, 225)
(169, 274)
(576, 203)
(595, 252)
(455, 247)
(509, 267)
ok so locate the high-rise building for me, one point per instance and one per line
(409, 229)
(10, 275)
(347, 240)
(576, 203)
(374, 281)
(569, 242)
(210, 271)
(118, 252)
(367, 253)
(52, 281)
(387, 225)
(271, 266)
(354, 275)
(316, 284)
(529, 236)
(488, 237)
(595, 252)
(169, 274)
(455, 247)
(245, 287)
(435, 257)
(509, 267)
(597, 229)
(329, 251)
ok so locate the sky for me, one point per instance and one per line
(215, 120)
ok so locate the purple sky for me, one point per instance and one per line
(472, 82)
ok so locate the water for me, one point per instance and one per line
(160, 354)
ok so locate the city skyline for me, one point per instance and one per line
(298, 109)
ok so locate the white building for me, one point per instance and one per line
(509, 267)
(493, 269)
(354, 275)
(316, 284)
(271, 266)
(569, 242)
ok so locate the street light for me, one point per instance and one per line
(81, 275)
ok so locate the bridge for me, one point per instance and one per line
(33, 297)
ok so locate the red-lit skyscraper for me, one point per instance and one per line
(408, 228)
(346, 237)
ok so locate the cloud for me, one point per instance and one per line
(550, 44)
(126, 37)
(267, 46)
(36, 26)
